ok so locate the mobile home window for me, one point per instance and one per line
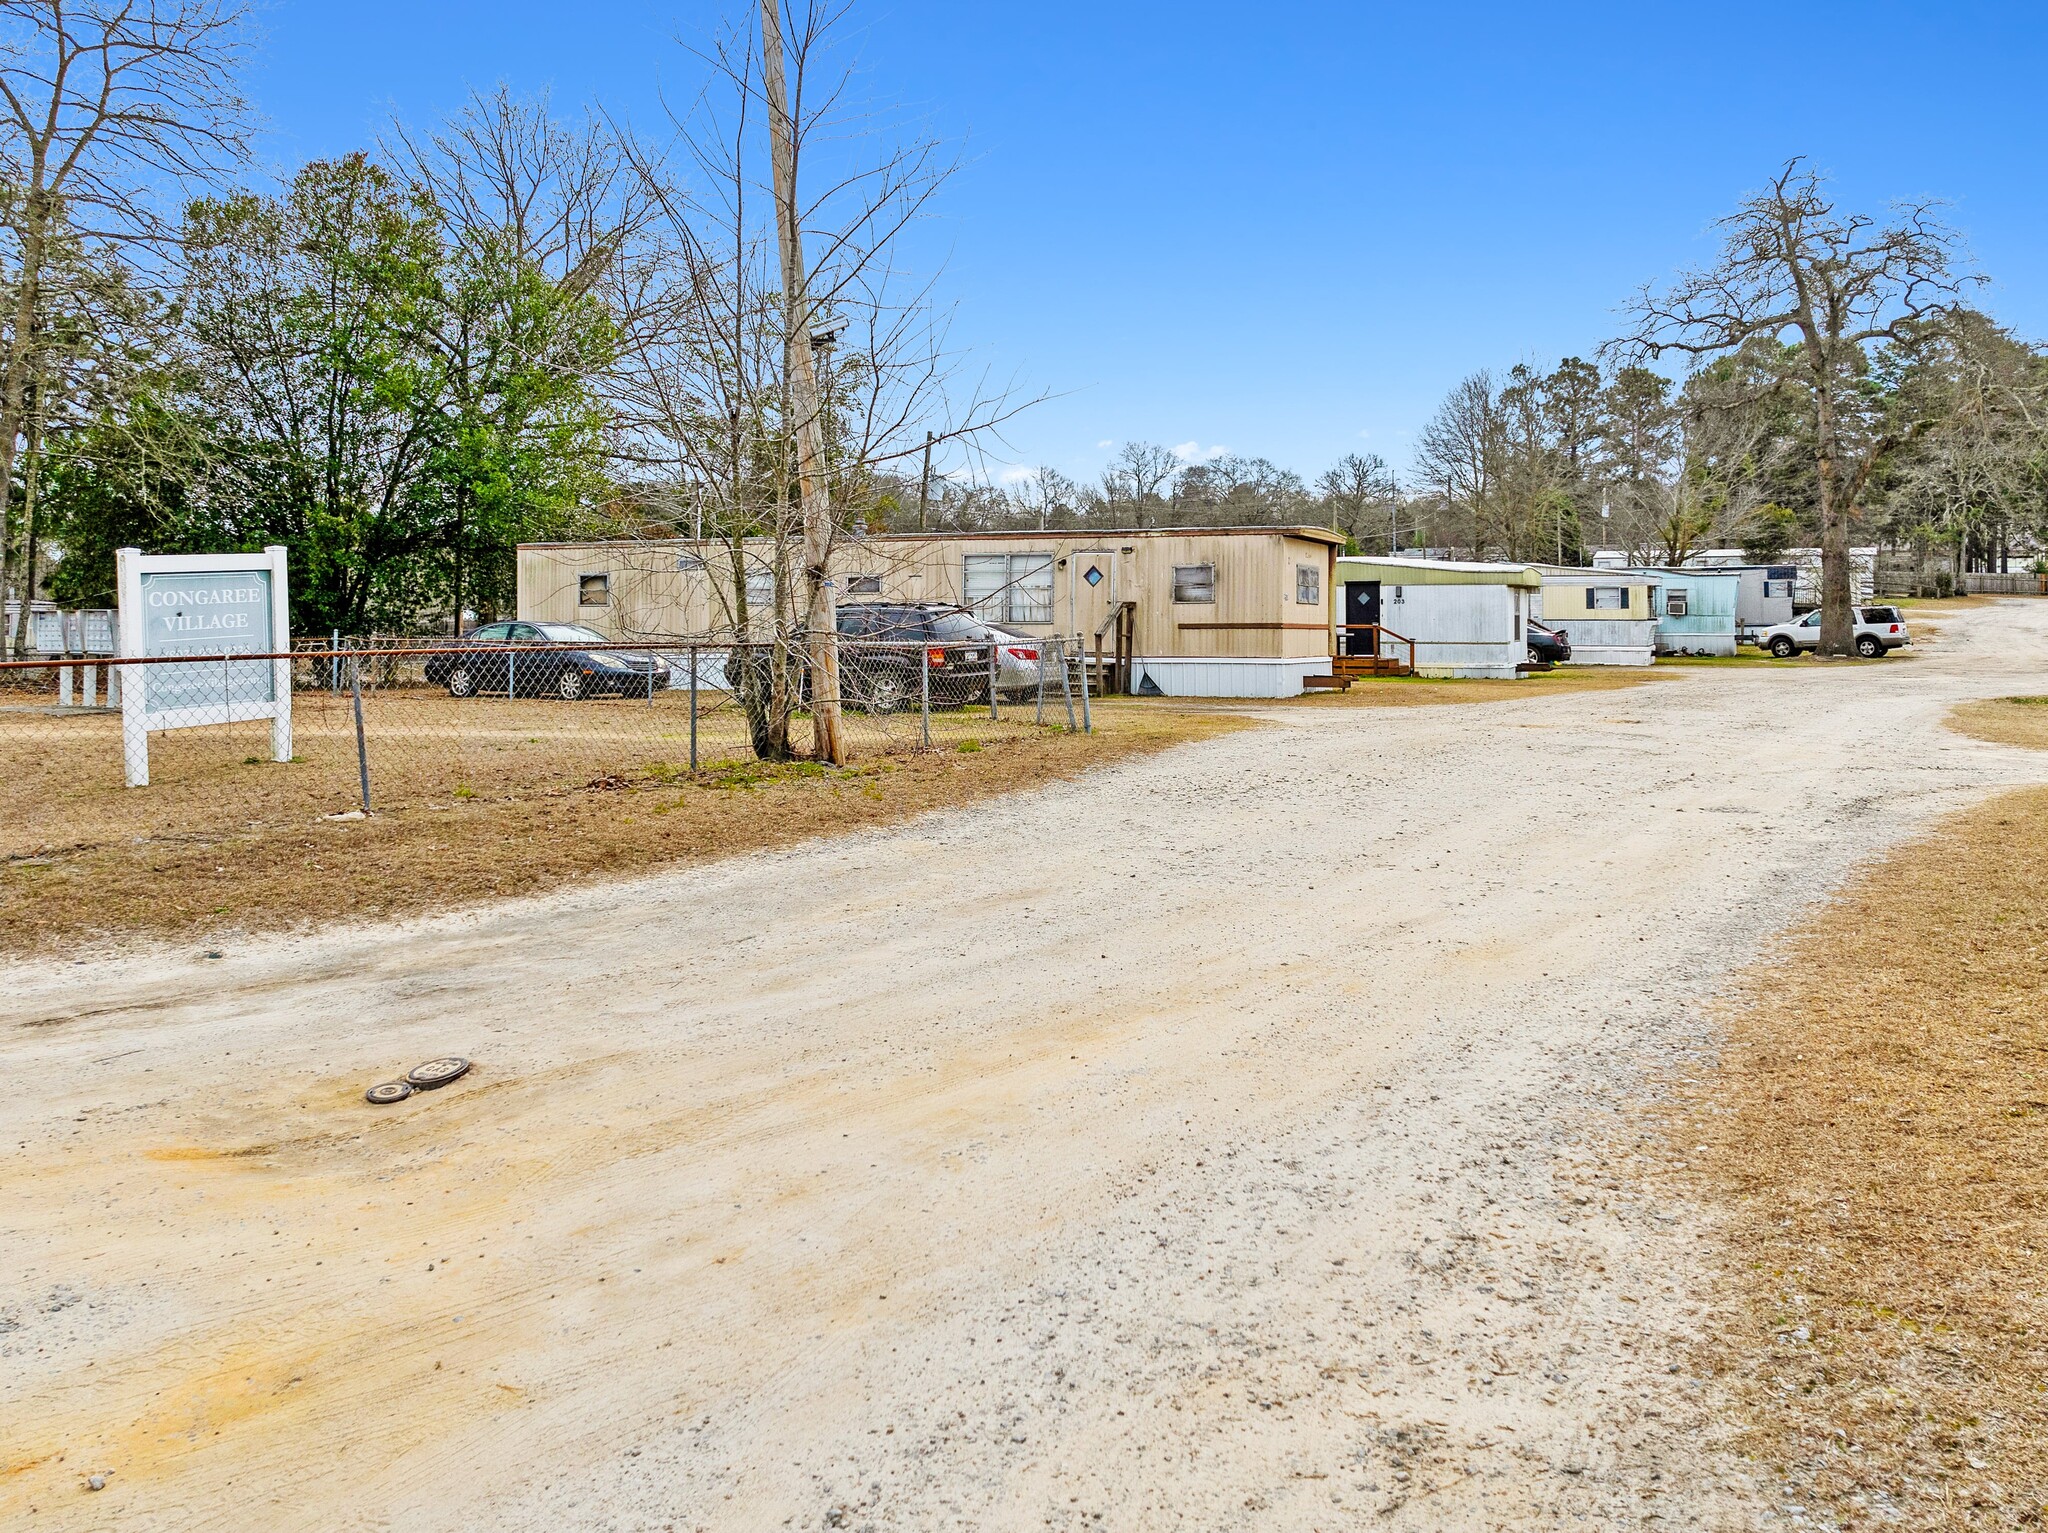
(1599, 598)
(594, 591)
(760, 590)
(1676, 603)
(688, 564)
(1308, 584)
(1194, 583)
(864, 585)
(1010, 588)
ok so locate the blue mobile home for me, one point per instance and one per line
(1696, 612)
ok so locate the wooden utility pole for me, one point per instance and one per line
(924, 484)
(800, 373)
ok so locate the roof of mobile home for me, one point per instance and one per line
(1440, 572)
(1578, 574)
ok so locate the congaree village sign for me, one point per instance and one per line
(215, 608)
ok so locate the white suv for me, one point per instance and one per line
(1879, 630)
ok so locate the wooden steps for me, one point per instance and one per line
(1350, 668)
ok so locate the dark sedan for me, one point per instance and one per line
(1548, 646)
(886, 645)
(497, 658)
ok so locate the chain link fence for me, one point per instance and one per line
(396, 724)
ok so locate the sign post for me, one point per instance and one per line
(213, 605)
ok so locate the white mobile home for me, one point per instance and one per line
(1609, 614)
(1463, 619)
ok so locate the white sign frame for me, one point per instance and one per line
(137, 717)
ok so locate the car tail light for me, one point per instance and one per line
(1024, 654)
(935, 658)
(1895, 628)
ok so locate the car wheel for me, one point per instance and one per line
(1783, 647)
(569, 685)
(461, 683)
(886, 693)
(1870, 647)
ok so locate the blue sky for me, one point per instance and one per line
(1286, 230)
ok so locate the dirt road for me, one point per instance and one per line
(1224, 1140)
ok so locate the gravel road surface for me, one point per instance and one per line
(1231, 1139)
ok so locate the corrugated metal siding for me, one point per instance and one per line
(1457, 629)
(1708, 625)
(1625, 642)
(1184, 677)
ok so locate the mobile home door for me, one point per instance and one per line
(1361, 605)
(1092, 587)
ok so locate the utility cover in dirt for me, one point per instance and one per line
(437, 1072)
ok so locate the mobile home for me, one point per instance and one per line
(1197, 612)
(1611, 614)
(1696, 611)
(1463, 619)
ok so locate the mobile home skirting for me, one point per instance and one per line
(1223, 676)
(1631, 642)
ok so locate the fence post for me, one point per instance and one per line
(355, 688)
(1039, 656)
(924, 690)
(1087, 719)
(995, 648)
(334, 662)
(511, 674)
(693, 707)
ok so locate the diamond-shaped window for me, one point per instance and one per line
(1094, 576)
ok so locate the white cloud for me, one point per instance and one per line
(1106, 442)
(1195, 452)
(1017, 473)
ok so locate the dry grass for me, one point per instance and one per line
(1875, 1146)
(2004, 721)
(194, 872)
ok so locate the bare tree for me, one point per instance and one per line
(1043, 498)
(716, 434)
(1457, 456)
(101, 98)
(1363, 496)
(1137, 477)
(1837, 286)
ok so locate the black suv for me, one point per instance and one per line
(887, 642)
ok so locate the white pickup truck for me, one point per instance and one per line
(1879, 631)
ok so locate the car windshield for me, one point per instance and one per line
(570, 633)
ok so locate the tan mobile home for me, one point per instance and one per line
(1208, 612)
